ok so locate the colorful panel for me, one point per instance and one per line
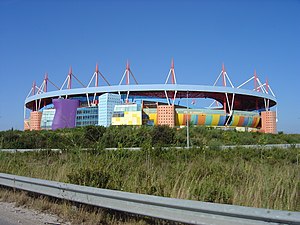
(178, 119)
(35, 120)
(250, 121)
(235, 120)
(256, 121)
(241, 121)
(184, 119)
(246, 120)
(208, 119)
(201, 119)
(215, 119)
(130, 118)
(194, 119)
(153, 116)
(222, 121)
(65, 114)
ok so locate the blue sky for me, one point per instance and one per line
(49, 36)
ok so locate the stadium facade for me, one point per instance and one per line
(150, 104)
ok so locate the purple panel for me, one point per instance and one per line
(65, 114)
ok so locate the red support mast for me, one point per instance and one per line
(255, 81)
(46, 82)
(172, 71)
(127, 72)
(224, 75)
(224, 84)
(126, 75)
(70, 78)
(97, 75)
(255, 88)
(45, 86)
(33, 88)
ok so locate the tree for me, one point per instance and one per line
(163, 135)
(93, 133)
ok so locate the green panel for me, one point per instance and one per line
(194, 119)
(250, 121)
(208, 119)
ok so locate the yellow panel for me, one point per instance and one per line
(215, 119)
(130, 118)
(139, 119)
(115, 121)
(153, 116)
(180, 119)
(235, 121)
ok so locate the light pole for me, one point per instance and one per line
(187, 121)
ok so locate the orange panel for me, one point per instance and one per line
(268, 122)
(35, 120)
(189, 118)
(166, 115)
(241, 121)
(255, 121)
(201, 119)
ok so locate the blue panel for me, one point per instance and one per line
(246, 121)
(222, 120)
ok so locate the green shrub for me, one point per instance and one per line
(89, 177)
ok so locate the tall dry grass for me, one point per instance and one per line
(248, 177)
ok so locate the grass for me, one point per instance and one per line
(248, 177)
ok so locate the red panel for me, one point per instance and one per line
(241, 121)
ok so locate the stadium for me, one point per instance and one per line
(168, 103)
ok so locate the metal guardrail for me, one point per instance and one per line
(22, 150)
(185, 211)
(266, 146)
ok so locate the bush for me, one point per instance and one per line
(93, 133)
(135, 136)
(89, 177)
(162, 135)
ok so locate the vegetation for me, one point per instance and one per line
(131, 136)
(249, 177)
(268, 178)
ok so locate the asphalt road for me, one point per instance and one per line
(3, 221)
(11, 215)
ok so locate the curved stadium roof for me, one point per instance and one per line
(246, 100)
